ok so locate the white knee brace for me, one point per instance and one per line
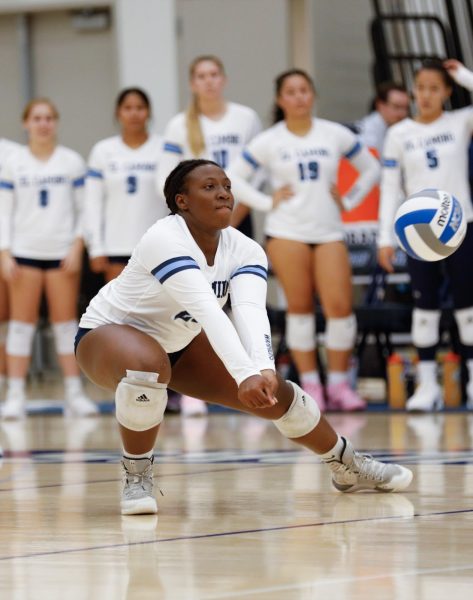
(140, 400)
(302, 416)
(64, 334)
(340, 334)
(20, 338)
(464, 319)
(3, 332)
(300, 332)
(425, 327)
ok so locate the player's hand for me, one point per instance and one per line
(256, 392)
(98, 264)
(270, 377)
(386, 257)
(72, 263)
(452, 65)
(282, 194)
(337, 197)
(9, 266)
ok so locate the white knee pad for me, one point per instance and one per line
(425, 327)
(20, 338)
(302, 416)
(464, 319)
(340, 334)
(3, 332)
(300, 332)
(140, 400)
(64, 335)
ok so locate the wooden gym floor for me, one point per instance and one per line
(245, 514)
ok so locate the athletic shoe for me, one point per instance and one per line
(192, 407)
(80, 405)
(427, 397)
(316, 391)
(340, 396)
(14, 407)
(137, 494)
(353, 472)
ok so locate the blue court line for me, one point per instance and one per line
(202, 536)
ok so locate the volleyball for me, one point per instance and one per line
(430, 225)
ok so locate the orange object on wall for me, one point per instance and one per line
(368, 209)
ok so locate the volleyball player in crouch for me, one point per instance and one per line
(41, 250)
(430, 150)
(161, 323)
(305, 238)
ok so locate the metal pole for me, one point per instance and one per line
(25, 56)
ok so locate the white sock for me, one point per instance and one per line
(137, 456)
(73, 386)
(16, 385)
(311, 377)
(336, 451)
(336, 377)
(427, 372)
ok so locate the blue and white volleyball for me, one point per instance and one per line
(430, 225)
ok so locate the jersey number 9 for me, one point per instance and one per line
(131, 184)
(309, 171)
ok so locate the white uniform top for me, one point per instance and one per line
(309, 164)
(372, 131)
(418, 156)
(121, 200)
(224, 138)
(40, 203)
(170, 292)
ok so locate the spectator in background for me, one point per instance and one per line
(305, 242)
(41, 251)
(211, 128)
(390, 106)
(121, 200)
(6, 149)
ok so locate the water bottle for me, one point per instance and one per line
(396, 382)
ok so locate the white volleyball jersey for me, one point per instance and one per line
(418, 156)
(224, 138)
(40, 203)
(309, 165)
(7, 147)
(170, 292)
(121, 200)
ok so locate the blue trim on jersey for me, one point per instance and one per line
(249, 159)
(351, 153)
(79, 182)
(6, 185)
(390, 163)
(172, 266)
(424, 215)
(251, 270)
(94, 173)
(168, 147)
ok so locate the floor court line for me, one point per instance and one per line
(337, 581)
(231, 533)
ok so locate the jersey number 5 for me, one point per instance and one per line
(308, 170)
(131, 184)
(432, 159)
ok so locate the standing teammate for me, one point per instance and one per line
(161, 323)
(41, 250)
(211, 128)
(305, 241)
(6, 149)
(121, 200)
(431, 151)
